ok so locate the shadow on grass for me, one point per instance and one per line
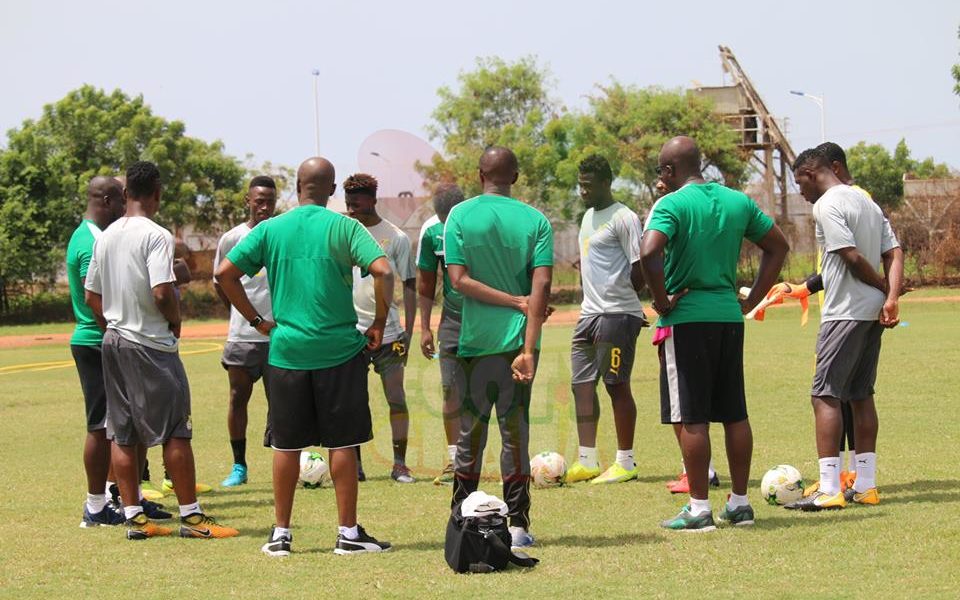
(938, 497)
(924, 485)
(801, 519)
(583, 541)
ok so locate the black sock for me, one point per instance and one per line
(239, 451)
(145, 476)
(399, 452)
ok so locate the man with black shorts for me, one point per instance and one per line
(499, 254)
(430, 257)
(104, 206)
(855, 239)
(130, 287)
(390, 359)
(690, 250)
(611, 316)
(245, 353)
(318, 370)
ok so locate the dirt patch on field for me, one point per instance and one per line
(219, 330)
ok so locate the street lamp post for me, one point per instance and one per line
(819, 102)
(316, 106)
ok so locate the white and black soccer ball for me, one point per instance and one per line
(314, 471)
(547, 469)
(782, 485)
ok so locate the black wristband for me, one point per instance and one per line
(256, 321)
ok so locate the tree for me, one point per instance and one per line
(956, 72)
(628, 125)
(881, 174)
(499, 103)
(47, 163)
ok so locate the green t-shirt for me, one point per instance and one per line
(430, 256)
(309, 253)
(705, 225)
(500, 240)
(79, 252)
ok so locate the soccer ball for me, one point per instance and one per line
(781, 485)
(548, 469)
(314, 471)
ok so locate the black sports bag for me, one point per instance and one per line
(480, 544)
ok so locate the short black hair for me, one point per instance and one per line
(143, 179)
(812, 157)
(361, 183)
(263, 181)
(447, 196)
(833, 153)
(598, 166)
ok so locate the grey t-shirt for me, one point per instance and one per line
(396, 246)
(257, 288)
(130, 258)
(609, 245)
(847, 218)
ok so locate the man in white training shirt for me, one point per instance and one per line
(246, 351)
(390, 358)
(611, 316)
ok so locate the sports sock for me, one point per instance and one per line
(239, 451)
(711, 472)
(140, 492)
(684, 465)
(698, 507)
(400, 452)
(452, 452)
(851, 461)
(130, 512)
(588, 457)
(736, 501)
(109, 485)
(188, 509)
(866, 472)
(830, 475)
(350, 533)
(625, 459)
(96, 502)
(279, 532)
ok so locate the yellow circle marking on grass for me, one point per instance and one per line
(63, 364)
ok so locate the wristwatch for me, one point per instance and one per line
(256, 321)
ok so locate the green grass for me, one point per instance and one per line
(593, 542)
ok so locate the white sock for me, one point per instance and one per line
(588, 457)
(452, 452)
(140, 493)
(683, 464)
(851, 460)
(625, 459)
(866, 472)
(710, 470)
(106, 489)
(736, 501)
(698, 507)
(350, 533)
(830, 475)
(96, 502)
(131, 511)
(279, 532)
(189, 509)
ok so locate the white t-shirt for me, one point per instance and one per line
(257, 288)
(130, 258)
(847, 218)
(609, 245)
(396, 246)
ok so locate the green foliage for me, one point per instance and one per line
(509, 104)
(881, 173)
(47, 163)
(956, 72)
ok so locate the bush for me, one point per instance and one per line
(43, 307)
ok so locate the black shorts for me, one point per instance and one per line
(701, 374)
(89, 361)
(320, 407)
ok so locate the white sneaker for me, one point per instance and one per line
(520, 538)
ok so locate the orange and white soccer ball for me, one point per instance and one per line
(548, 469)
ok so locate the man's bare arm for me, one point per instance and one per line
(165, 298)
(95, 302)
(775, 247)
(462, 282)
(862, 269)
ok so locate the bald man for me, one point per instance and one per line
(318, 371)
(690, 250)
(499, 254)
(104, 206)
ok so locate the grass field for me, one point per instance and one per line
(601, 542)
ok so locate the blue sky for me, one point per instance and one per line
(241, 71)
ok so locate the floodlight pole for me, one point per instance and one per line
(819, 101)
(316, 106)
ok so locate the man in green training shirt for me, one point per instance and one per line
(318, 372)
(689, 254)
(499, 254)
(430, 257)
(104, 206)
